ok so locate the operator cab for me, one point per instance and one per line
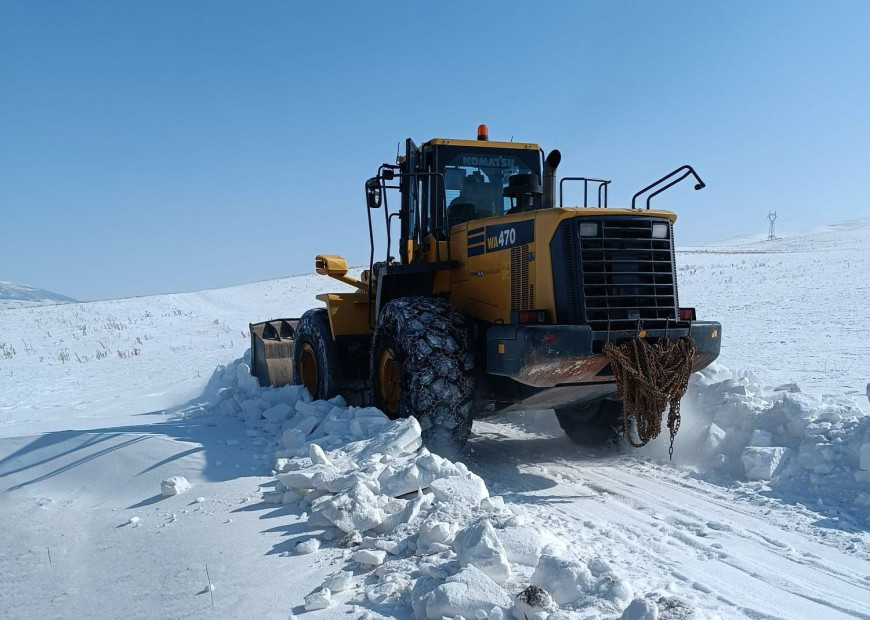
(448, 182)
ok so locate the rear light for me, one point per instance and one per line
(659, 231)
(531, 316)
(549, 338)
(687, 314)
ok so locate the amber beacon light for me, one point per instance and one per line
(482, 132)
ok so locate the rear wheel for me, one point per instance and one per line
(592, 424)
(422, 366)
(315, 357)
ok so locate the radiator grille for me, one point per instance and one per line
(521, 292)
(627, 276)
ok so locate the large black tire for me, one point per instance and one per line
(422, 366)
(593, 424)
(315, 357)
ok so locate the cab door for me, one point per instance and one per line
(410, 190)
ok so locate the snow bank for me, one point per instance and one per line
(414, 529)
(807, 448)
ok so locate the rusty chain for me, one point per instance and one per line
(650, 379)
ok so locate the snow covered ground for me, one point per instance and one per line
(764, 512)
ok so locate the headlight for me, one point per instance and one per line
(659, 231)
(588, 229)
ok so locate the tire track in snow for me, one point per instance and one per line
(654, 524)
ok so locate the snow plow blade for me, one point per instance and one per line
(272, 351)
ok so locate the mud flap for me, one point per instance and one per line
(272, 351)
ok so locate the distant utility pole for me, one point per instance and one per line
(771, 235)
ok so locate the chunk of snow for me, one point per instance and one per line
(174, 485)
(713, 440)
(314, 477)
(338, 582)
(478, 544)
(462, 595)
(864, 456)
(307, 546)
(761, 439)
(319, 600)
(434, 531)
(761, 463)
(467, 490)
(354, 509)
(370, 557)
(565, 579)
(641, 609)
(318, 456)
(397, 438)
(524, 544)
(278, 413)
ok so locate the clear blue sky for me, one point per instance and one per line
(155, 147)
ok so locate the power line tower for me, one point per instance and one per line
(771, 235)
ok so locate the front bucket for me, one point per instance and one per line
(272, 351)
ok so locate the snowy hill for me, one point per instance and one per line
(764, 512)
(14, 295)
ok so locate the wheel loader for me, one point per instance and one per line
(495, 297)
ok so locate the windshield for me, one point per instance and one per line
(475, 178)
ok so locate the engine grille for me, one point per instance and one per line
(627, 277)
(522, 292)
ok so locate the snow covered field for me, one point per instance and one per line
(764, 512)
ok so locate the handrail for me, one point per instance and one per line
(689, 170)
(602, 184)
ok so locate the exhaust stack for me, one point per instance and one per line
(550, 164)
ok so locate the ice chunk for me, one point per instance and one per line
(354, 509)
(525, 544)
(174, 485)
(641, 609)
(565, 579)
(761, 439)
(864, 456)
(463, 594)
(761, 463)
(307, 546)
(407, 514)
(314, 477)
(291, 497)
(713, 440)
(293, 438)
(435, 532)
(466, 490)
(278, 413)
(337, 582)
(478, 544)
(319, 600)
(371, 557)
(317, 455)
(396, 438)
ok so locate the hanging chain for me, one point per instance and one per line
(649, 380)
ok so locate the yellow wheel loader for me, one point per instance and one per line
(497, 297)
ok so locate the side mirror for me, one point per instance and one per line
(373, 193)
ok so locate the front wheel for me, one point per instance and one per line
(422, 366)
(592, 424)
(315, 357)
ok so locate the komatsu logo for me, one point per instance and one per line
(493, 162)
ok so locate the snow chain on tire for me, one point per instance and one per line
(650, 379)
(429, 342)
